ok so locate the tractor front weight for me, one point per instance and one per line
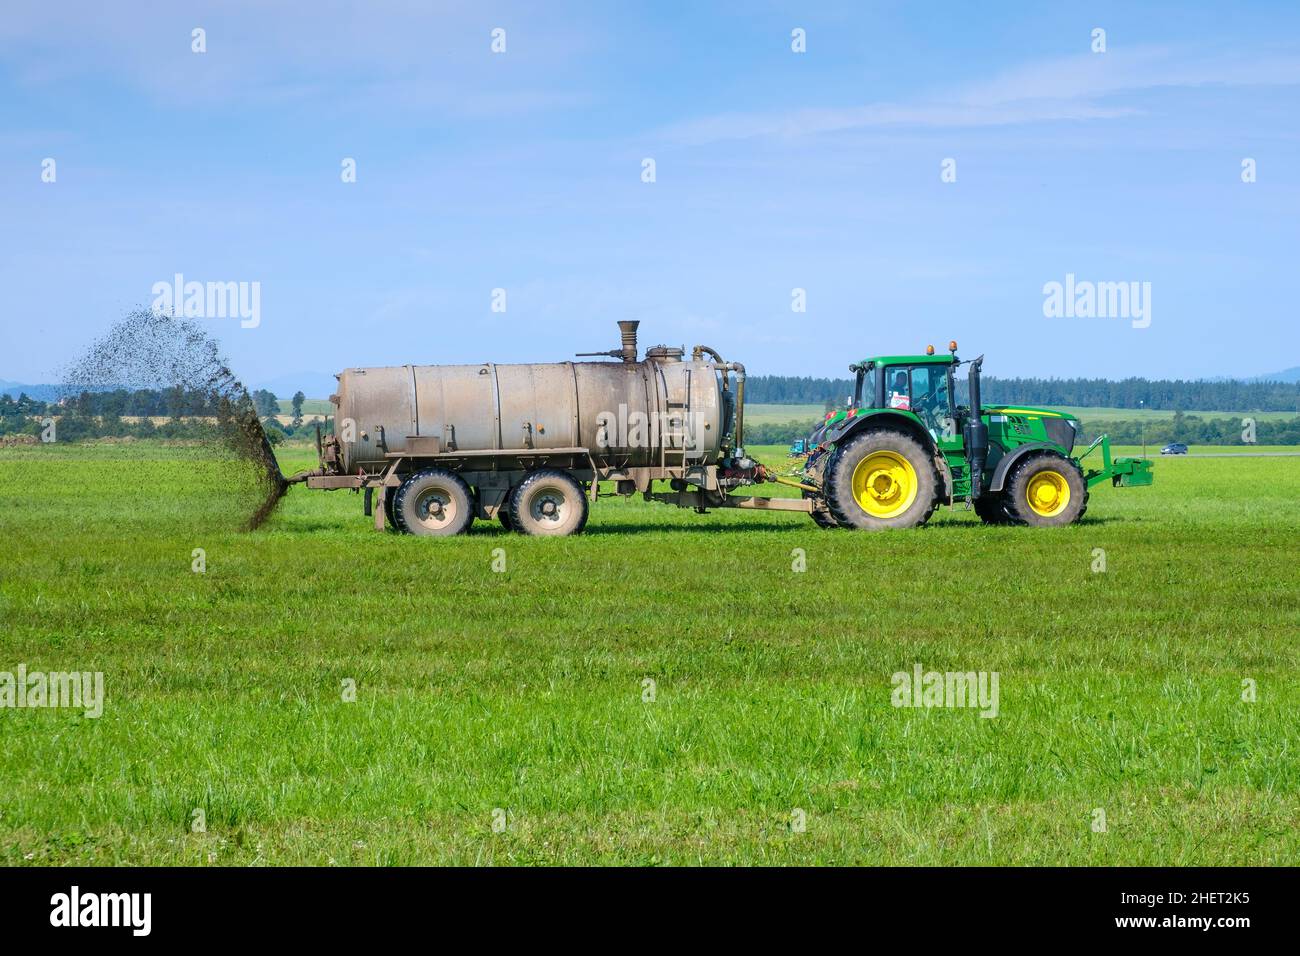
(1122, 472)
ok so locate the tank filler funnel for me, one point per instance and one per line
(627, 328)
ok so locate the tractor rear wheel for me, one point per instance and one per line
(433, 502)
(824, 519)
(881, 479)
(992, 508)
(1046, 491)
(548, 502)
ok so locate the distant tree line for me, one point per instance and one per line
(1195, 430)
(174, 402)
(1159, 394)
(101, 414)
(1191, 429)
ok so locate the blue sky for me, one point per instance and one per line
(774, 171)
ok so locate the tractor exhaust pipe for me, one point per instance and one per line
(976, 433)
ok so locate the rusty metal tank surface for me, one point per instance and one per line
(637, 412)
(534, 445)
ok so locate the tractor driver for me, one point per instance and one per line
(899, 394)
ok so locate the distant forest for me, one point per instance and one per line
(1192, 429)
(1160, 394)
(186, 413)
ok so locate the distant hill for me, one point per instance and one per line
(313, 385)
(1286, 375)
(42, 393)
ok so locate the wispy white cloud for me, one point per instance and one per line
(1070, 88)
(807, 122)
(402, 54)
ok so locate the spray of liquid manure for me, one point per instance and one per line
(148, 350)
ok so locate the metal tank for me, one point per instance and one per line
(666, 408)
(433, 447)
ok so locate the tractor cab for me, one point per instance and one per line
(920, 384)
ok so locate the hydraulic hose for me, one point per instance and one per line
(697, 353)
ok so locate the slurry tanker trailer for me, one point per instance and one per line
(534, 445)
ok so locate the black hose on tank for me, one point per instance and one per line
(697, 354)
(740, 404)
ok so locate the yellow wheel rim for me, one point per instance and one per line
(884, 484)
(1048, 493)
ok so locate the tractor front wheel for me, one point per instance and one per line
(881, 479)
(1046, 491)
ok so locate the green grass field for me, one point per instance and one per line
(312, 406)
(502, 717)
(782, 414)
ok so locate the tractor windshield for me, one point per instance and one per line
(930, 398)
(866, 389)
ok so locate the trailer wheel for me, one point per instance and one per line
(503, 512)
(433, 502)
(1046, 491)
(390, 517)
(550, 503)
(881, 479)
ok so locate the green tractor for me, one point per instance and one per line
(903, 447)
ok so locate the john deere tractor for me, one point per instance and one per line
(903, 447)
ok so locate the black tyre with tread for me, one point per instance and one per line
(821, 513)
(503, 512)
(838, 485)
(1017, 487)
(992, 508)
(814, 470)
(824, 519)
(390, 518)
